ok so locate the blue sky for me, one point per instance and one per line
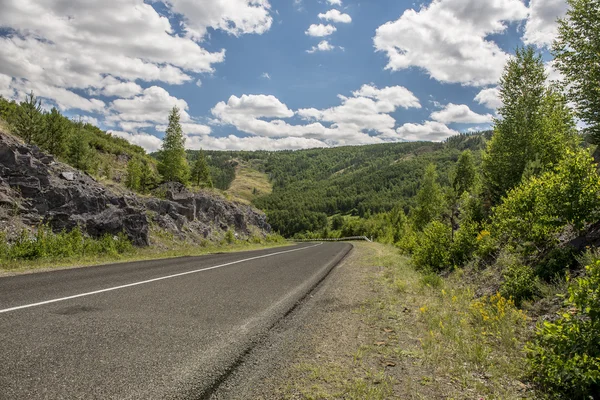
(259, 74)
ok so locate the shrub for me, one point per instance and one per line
(465, 242)
(431, 280)
(432, 252)
(534, 212)
(229, 237)
(556, 263)
(564, 358)
(520, 283)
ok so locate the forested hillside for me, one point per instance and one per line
(359, 181)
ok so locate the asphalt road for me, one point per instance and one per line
(148, 330)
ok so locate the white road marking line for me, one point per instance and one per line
(41, 303)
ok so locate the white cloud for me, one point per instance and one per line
(251, 106)
(552, 72)
(232, 142)
(324, 45)
(541, 27)
(6, 89)
(265, 75)
(430, 130)
(191, 129)
(448, 39)
(336, 16)
(149, 142)
(320, 30)
(335, 2)
(199, 83)
(153, 105)
(389, 98)
(112, 87)
(236, 17)
(90, 120)
(490, 98)
(459, 113)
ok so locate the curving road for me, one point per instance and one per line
(148, 330)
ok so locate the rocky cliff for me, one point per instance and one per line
(37, 189)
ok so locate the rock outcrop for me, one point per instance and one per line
(40, 190)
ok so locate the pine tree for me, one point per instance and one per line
(200, 172)
(465, 173)
(147, 176)
(173, 165)
(430, 199)
(79, 149)
(577, 56)
(30, 120)
(134, 172)
(57, 133)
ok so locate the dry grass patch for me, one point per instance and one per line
(249, 184)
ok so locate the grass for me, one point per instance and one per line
(249, 184)
(169, 247)
(434, 335)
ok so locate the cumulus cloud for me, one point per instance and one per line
(449, 39)
(335, 2)
(542, 27)
(360, 119)
(430, 130)
(460, 113)
(490, 98)
(233, 142)
(149, 142)
(236, 17)
(320, 30)
(336, 16)
(265, 75)
(323, 45)
(104, 47)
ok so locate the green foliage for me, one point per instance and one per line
(430, 200)
(134, 174)
(289, 222)
(29, 122)
(80, 154)
(173, 164)
(431, 280)
(229, 236)
(556, 263)
(465, 242)
(200, 172)
(465, 173)
(56, 135)
(47, 245)
(564, 357)
(520, 283)
(337, 222)
(148, 177)
(534, 212)
(433, 250)
(535, 124)
(577, 57)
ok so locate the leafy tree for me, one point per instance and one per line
(430, 200)
(30, 120)
(577, 56)
(56, 136)
(134, 173)
(337, 222)
(173, 165)
(534, 212)
(200, 172)
(465, 173)
(535, 124)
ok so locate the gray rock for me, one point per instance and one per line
(46, 191)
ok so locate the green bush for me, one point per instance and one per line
(465, 243)
(520, 283)
(533, 213)
(48, 245)
(564, 357)
(229, 237)
(431, 280)
(556, 263)
(432, 252)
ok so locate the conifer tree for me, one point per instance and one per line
(200, 172)
(134, 172)
(30, 120)
(147, 176)
(56, 134)
(173, 165)
(465, 173)
(79, 149)
(430, 199)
